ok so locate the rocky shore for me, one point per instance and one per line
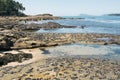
(45, 26)
(16, 38)
(24, 40)
(14, 35)
(29, 18)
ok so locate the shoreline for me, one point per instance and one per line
(28, 18)
(51, 67)
(45, 53)
(42, 67)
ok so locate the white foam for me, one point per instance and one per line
(103, 21)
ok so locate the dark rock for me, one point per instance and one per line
(8, 57)
(83, 26)
(105, 43)
(7, 39)
(5, 43)
(45, 51)
(69, 26)
(50, 25)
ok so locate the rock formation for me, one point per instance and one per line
(8, 57)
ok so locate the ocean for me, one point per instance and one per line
(93, 24)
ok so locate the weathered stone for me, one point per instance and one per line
(8, 57)
(27, 43)
(50, 25)
(5, 43)
(45, 26)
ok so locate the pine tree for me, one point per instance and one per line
(11, 8)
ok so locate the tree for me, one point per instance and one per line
(10, 8)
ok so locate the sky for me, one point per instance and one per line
(71, 7)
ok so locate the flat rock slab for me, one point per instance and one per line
(72, 68)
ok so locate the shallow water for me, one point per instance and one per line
(102, 51)
(80, 30)
(91, 26)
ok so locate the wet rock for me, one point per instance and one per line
(105, 43)
(83, 26)
(45, 51)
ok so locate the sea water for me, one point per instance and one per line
(86, 50)
(93, 24)
(99, 24)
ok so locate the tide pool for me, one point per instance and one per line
(101, 51)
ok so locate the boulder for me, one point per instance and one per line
(7, 39)
(5, 43)
(8, 57)
(50, 25)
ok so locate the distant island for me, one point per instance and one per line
(113, 14)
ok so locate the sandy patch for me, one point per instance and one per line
(37, 55)
(1, 55)
(13, 52)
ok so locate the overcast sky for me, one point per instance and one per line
(71, 7)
